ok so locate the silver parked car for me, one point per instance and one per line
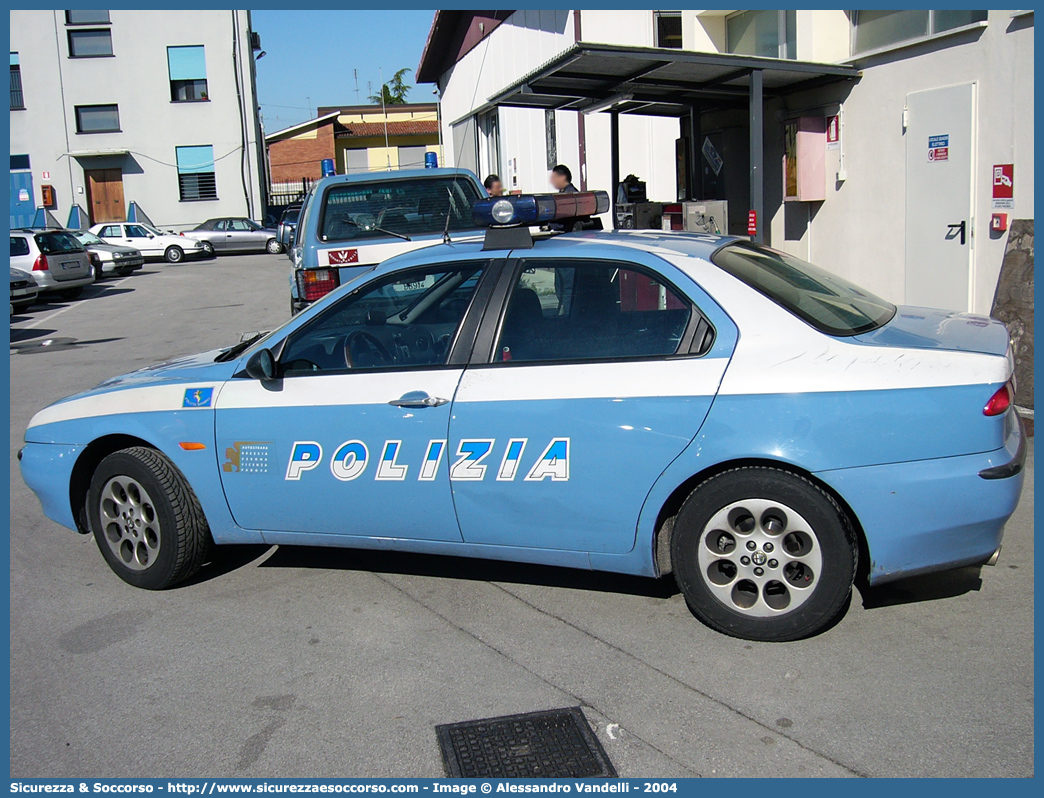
(56, 260)
(110, 259)
(235, 234)
(23, 290)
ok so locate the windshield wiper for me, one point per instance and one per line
(233, 351)
(354, 223)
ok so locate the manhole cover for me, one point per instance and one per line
(557, 743)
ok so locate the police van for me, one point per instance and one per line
(350, 223)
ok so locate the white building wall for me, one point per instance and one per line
(136, 78)
(859, 231)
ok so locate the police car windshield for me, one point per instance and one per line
(411, 206)
(827, 302)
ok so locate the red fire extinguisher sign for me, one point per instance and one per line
(752, 223)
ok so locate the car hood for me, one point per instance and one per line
(17, 275)
(114, 248)
(190, 368)
(927, 328)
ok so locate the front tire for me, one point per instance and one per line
(273, 247)
(763, 554)
(174, 255)
(146, 520)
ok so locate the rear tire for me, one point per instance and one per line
(273, 247)
(174, 255)
(763, 554)
(146, 520)
(71, 293)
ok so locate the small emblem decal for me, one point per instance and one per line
(339, 256)
(247, 457)
(197, 397)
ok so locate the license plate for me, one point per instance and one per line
(71, 264)
(19, 292)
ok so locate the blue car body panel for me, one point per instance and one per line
(573, 463)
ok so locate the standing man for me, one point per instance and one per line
(494, 187)
(562, 180)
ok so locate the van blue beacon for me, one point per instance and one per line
(641, 402)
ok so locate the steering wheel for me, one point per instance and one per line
(374, 348)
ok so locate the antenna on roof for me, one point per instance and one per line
(355, 74)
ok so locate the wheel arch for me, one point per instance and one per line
(83, 470)
(664, 526)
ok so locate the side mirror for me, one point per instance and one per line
(261, 365)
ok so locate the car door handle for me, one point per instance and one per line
(418, 399)
(954, 229)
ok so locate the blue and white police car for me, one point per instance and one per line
(638, 402)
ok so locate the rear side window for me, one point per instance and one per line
(825, 301)
(590, 311)
(55, 243)
(19, 246)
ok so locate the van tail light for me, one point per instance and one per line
(1000, 401)
(40, 264)
(313, 284)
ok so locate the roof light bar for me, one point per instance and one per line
(533, 209)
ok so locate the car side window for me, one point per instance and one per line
(219, 225)
(239, 225)
(590, 311)
(136, 231)
(19, 246)
(402, 320)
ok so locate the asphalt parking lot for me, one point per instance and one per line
(316, 662)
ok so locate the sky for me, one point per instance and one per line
(310, 55)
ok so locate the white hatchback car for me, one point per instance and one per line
(57, 261)
(152, 243)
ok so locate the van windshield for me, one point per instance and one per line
(411, 206)
(827, 302)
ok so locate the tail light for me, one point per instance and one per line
(40, 264)
(313, 284)
(1000, 401)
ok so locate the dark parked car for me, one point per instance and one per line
(235, 235)
(287, 225)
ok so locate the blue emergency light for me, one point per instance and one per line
(534, 209)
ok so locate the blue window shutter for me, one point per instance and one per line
(194, 160)
(14, 59)
(187, 63)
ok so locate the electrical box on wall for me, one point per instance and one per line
(804, 159)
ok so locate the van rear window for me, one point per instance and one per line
(412, 206)
(827, 302)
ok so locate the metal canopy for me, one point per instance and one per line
(655, 81)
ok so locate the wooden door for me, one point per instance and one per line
(105, 195)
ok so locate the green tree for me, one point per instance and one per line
(394, 91)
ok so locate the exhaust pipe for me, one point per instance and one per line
(994, 557)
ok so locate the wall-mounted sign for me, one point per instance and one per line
(833, 141)
(1004, 186)
(23, 195)
(711, 154)
(752, 223)
(939, 148)
(46, 175)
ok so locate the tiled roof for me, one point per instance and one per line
(413, 127)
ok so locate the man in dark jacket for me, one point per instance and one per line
(562, 180)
